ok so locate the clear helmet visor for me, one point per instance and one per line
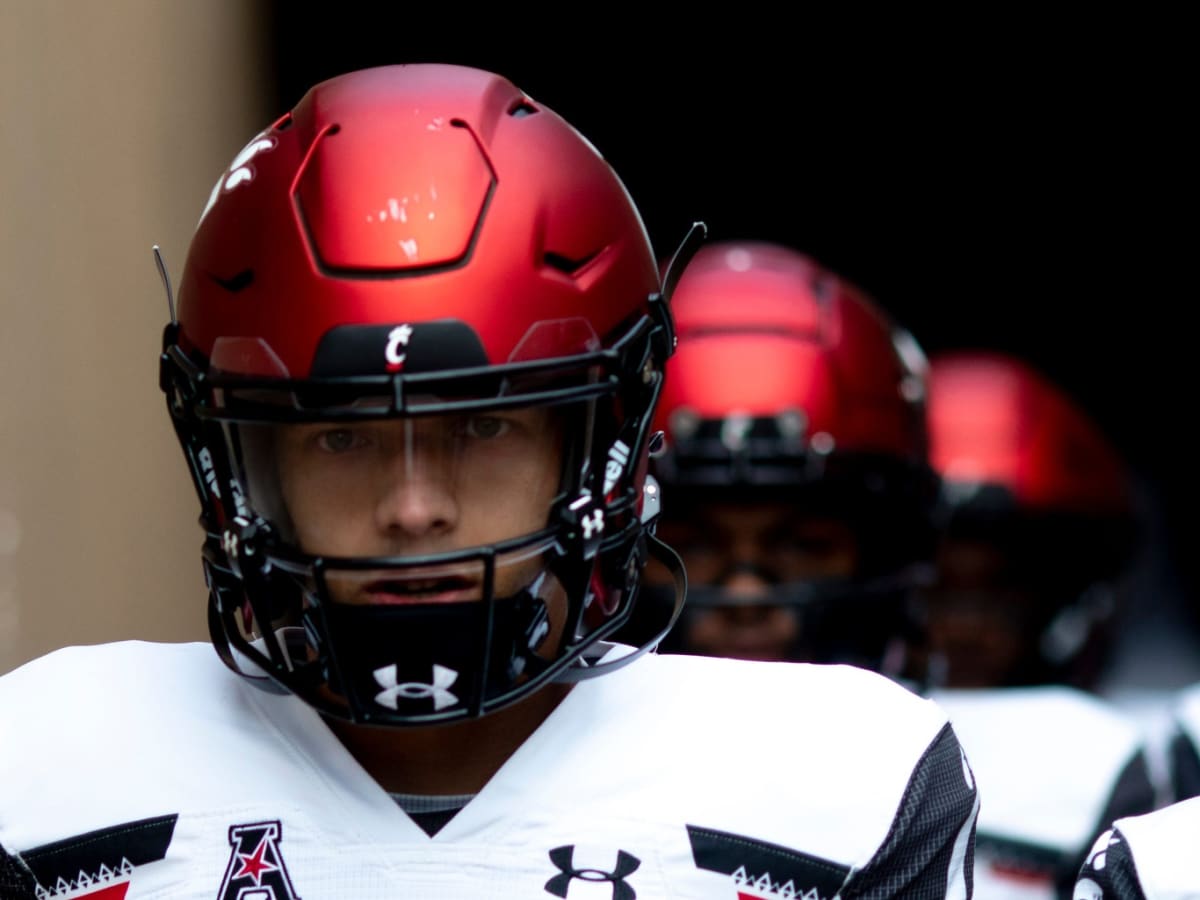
(407, 486)
(417, 559)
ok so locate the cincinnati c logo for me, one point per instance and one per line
(397, 338)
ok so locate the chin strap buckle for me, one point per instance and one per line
(244, 542)
(585, 517)
(651, 500)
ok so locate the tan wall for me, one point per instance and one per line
(116, 118)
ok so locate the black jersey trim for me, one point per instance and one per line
(1111, 872)
(938, 806)
(751, 861)
(1132, 795)
(16, 881)
(115, 848)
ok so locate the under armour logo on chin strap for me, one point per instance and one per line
(443, 677)
(593, 524)
(564, 859)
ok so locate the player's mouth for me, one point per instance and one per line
(396, 591)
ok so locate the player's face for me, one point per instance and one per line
(413, 487)
(746, 550)
(979, 620)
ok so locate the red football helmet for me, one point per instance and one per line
(419, 341)
(790, 387)
(1039, 518)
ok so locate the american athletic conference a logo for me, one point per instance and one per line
(256, 870)
(564, 860)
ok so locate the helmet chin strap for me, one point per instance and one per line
(594, 663)
(424, 658)
(419, 663)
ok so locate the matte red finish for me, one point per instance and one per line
(480, 191)
(763, 329)
(995, 420)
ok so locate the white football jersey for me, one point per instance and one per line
(1147, 857)
(1185, 744)
(139, 770)
(1055, 766)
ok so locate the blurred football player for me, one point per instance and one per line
(1038, 526)
(795, 468)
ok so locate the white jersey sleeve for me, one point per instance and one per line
(1147, 857)
(1184, 749)
(1045, 799)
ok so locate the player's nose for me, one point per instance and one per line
(420, 494)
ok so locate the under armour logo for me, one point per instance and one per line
(443, 677)
(229, 543)
(564, 860)
(593, 524)
(397, 338)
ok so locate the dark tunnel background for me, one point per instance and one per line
(1018, 188)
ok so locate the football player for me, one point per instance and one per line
(1038, 526)
(795, 470)
(419, 342)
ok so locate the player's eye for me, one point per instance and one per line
(485, 427)
(339, 440)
